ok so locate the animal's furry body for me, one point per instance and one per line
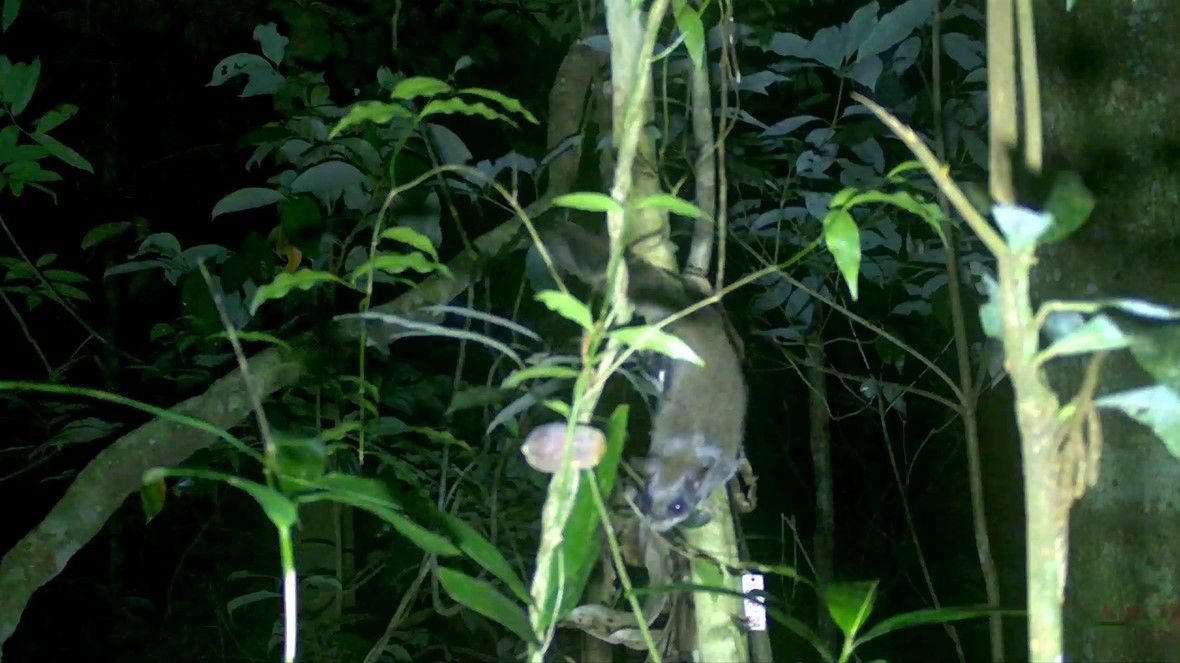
(696, 442)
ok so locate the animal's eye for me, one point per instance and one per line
(677, 507)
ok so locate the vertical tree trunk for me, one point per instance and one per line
(1110, 73)
(824, 543)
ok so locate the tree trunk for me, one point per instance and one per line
(1110, 73)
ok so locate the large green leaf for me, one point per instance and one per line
(481, 597)
(843, 240)
(579, 545)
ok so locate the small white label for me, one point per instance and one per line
(755, 611)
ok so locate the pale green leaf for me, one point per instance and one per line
(504, 100)
(516, 378)
(670, 203)
(419, 86)
(568, 307)
(588, 201)
(378, 112)
(1098, 333)
(849, 604)
(303, 279)
(648, 338)
(842, 238)
(407, 235)
(462, 107)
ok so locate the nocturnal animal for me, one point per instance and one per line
(697, 431)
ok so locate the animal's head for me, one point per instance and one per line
(673, 490)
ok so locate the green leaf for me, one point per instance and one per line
(895, 174)
(70, 292)
(305, 459)
(394, 263)
(418, 328)
(568, 307)
(482, 552)
(247, 198)
(21, 84)
(407, 235)
(18, 153)
(482, 316)
(1157, 407)
(273, 44)
(850, 603)
(66, 154)
(927, 211)
(579, 546)
(55, 117)
(460, 106)
(842, 197)
(303, 279)
(1070, 203)
(329, 178)
(9, 14)
(928, 617)
(378, 112)
(151, 498)
(1157, 349)
(278, 509)
(1140, 308)
(517, 378)
(486, 600)
(243, 600)
(670, 203)
(419, 86)
(801, 629)
(504, 100)
(688, 21)
(842, 238)
(104, 232)
(1098, 333)
(588, 201)
(63, 276)
(373, 496)
(648, 338)
(894, 27)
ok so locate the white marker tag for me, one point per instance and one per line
(755, 611)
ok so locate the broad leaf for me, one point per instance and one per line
(842, 238)
(648, 338)
(247, 198)
(568, 307)
(419, 86)
(1157, 407)
(303, 279)
(486, 600)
